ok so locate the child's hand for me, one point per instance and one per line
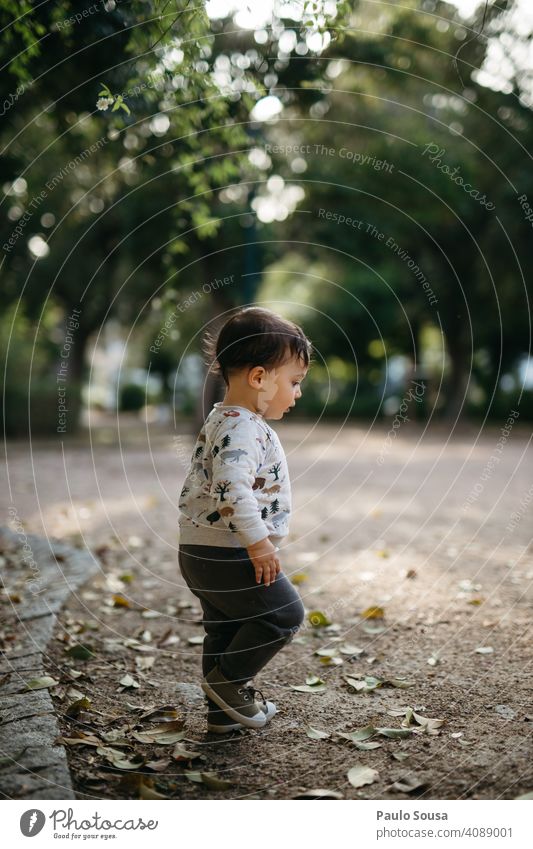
(265, 560)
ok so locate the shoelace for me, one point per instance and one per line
(251, 693)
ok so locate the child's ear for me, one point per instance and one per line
(255, 376)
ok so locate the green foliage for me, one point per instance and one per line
(397, 94)
(132, 397)
(153, 189)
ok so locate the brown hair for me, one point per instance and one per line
(255, 336)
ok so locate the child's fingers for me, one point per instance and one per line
(266, 574)
(270, 573)
(266, 571)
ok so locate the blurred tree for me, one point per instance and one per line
(393, 134)
(129, 117)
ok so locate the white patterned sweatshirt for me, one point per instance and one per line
(237, 490)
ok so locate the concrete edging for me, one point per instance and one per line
(32, 766)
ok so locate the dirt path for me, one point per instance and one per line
(428, 535)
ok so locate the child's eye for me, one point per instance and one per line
(295, 382)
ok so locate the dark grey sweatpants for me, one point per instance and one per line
(246, 623)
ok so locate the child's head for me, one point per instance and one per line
(262, 358)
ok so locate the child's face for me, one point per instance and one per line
(280, 389)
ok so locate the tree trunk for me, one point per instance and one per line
(458, 380)
(75, 378)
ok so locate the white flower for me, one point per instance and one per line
(103, 103)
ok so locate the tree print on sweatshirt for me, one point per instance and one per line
(237, 490)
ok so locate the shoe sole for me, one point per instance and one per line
(248, 721)
(223, 729)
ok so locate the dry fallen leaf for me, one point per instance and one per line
(144, 662)
(164, 734)
(309, 688)
(120, 759)
(159, 765)
(373, 612)
(409, 783)
(348, 648)
(412, 718)
(360, 775)
(80, 739)
(180, 753)
(147, 789)
(120, 601)
(316, 733)
(395, 733)
(128, 681)
(298, 578)
(318, 793)
(212, 781)
(41, 683)
(359, 734)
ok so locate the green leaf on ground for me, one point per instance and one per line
(80, 652)
(318, 619)
(373, 612)
(298, 578)
(75, 708)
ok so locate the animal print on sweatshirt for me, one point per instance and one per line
(237, 490)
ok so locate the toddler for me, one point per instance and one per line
(234, 510)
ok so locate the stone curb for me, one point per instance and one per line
(32, 765)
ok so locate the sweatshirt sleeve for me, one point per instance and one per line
(236, 456)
